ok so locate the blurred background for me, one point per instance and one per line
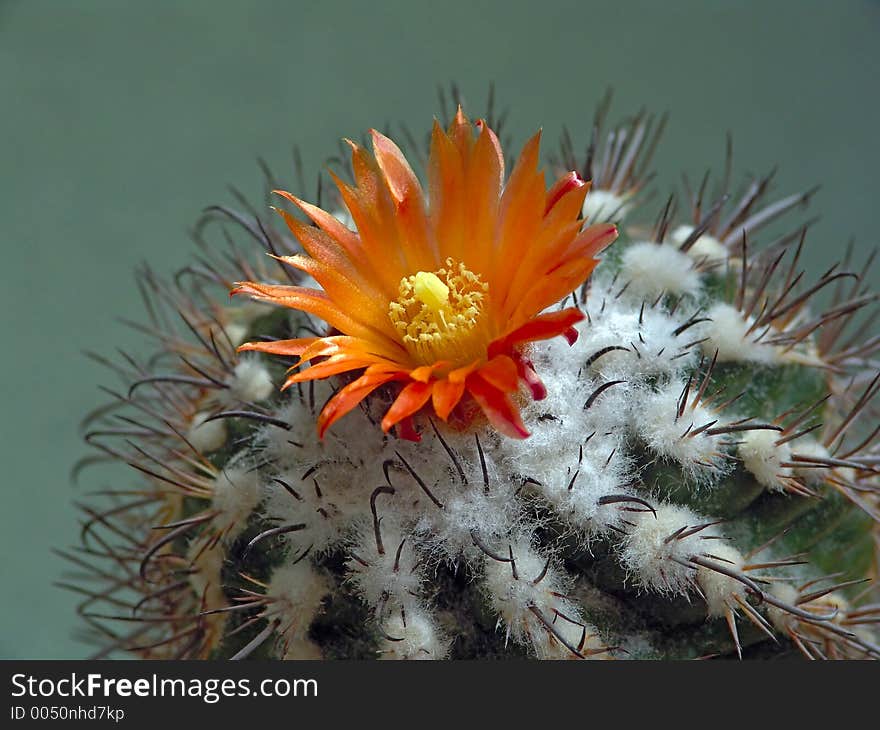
(120, 121)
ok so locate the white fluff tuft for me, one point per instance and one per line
(412, 635)
(295, 591)
(718, 589)
(206, 437)
(782, 620)
(764, 458)
(603, 205)
(706, 249)
(653, 341)
(653, 268)
(657, 548)
(391, 579)
(728, 333)
(467, 511)
(670, 436)
(810, 473)
(236, 493)
(250, 381)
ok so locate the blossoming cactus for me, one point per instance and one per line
(447, 418)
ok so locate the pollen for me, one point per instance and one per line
(439, 315)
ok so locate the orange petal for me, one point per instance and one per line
(332, 366)
(423, 373)
(323, 248)
(407, 431)
(498, 407)
(551, 288)
(566, 184)
(308, 348)
(378, 243)
(459, 375)
(349, 397)
(521, 215)
(593, 240)
(501, 372)
(528, 375)
(346, 294)
(447, 197)
(402, 181)
(410, 217)
(542, 327)
(340, 233)
(445, 396)
(461, 134)
(483, 179)
(312, 301)
(281, 347)
(411, 399)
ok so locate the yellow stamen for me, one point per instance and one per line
(439, 315)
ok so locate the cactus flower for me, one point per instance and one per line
(440, 295)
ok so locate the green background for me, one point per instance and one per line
(119, 121)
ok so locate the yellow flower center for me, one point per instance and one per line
(439, 315)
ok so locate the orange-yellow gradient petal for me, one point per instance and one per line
(439, 290)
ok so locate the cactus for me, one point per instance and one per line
(664, 450)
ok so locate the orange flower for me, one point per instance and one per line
(439, 292)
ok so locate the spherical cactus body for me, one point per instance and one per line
(501, 432)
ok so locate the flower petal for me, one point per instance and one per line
(566, 184)
(349, 397)
(543, 327)
(289, 348)
(498, 407)
(501, 372)
(528, 375)
(332, 366)
(445, 396)
(413, 396)
(313, 301)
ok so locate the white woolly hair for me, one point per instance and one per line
(783, 620)
(470, 510)
(236, 493)
(658, 546)
(603, 205)
(521, 589)
(238, 318)
(577, 634)
(206, 437)
(297, 590)
(574, 479)
(717, 588)
(391, 579)
(672, 437)
(653, 268)
(353, 439)
(728, 333)
(327, 501)
(810, 473)
(706, 249)
(654, 341)
(764, 458)
(250, 381)
(412, 635)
